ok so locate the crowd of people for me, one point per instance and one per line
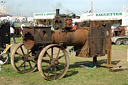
(119, 31)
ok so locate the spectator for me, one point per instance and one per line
(13, 23)
(12, 31)
(36, 24)
(74, 27)
(22, 25)
(31, 24)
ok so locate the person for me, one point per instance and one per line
(126, 28)
(12, 31)
(112, 28)
(31, 24)
(13, 23)
(22, 25)
(36, 24)
(74, 27)
(41, 25)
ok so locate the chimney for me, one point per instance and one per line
(91, 6)
(57, 11)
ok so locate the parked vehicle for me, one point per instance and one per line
(120, 35)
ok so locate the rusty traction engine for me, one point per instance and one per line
(44, 48)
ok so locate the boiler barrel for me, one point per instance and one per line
(75, 38)
(34, 37)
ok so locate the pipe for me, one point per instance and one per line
(57, 11)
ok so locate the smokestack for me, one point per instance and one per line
(57, 11)
(91, 6)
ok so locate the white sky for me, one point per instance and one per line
(18, 7)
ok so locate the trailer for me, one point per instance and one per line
(120, 35)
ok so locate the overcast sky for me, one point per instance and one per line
(28, 7)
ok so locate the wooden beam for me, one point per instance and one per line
(118, 69)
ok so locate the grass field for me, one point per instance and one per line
(19, 24)
(76, 75)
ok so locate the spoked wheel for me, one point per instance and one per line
(22, 59)
(4, 57)
(53, 62)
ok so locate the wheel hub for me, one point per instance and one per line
(54, 62)
(26, 57)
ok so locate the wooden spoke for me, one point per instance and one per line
(58, 53)
(33, 61)
(59, 69)
(20, 54)
(44, 60)
(21, 64)
(48, 73)
(22, 50)
(52, 52)
(30, 64)
(55, 72)
(48, 55)
(60, 57)
(29, 52)
(47, 67)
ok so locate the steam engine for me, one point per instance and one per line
(90, 39)
(45, 48)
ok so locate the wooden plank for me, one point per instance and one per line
(118, 69)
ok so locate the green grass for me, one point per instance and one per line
(75, 75)
(18, 40)
(19, 24)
